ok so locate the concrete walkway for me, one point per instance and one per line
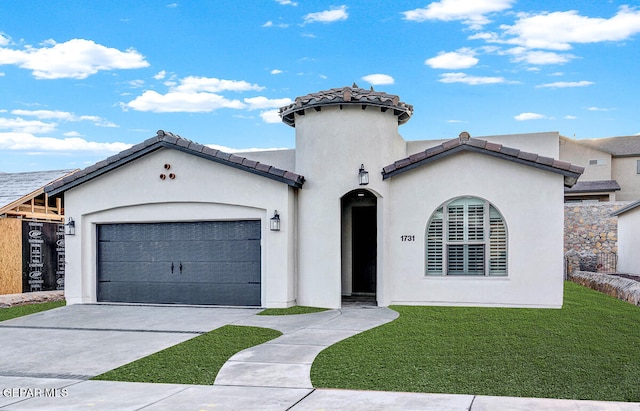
(47, 358)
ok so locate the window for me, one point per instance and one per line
(466, 236)
(638, 167)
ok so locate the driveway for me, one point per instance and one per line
(81, 341)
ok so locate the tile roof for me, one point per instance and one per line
(14, 186)
(628, 207)
(346, 95)
(625, 146)
(464, 142)
(593, 186)
(165, 139)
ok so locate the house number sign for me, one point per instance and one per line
(407, 238)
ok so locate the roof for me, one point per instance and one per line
(593, 186)
(15, 186)
(172, 141)
(464, 142)
(626, 208)
(344, 96)
(625, 146)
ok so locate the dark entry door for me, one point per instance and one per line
(215, 263)
(364, 245)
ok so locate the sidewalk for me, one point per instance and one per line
(270, 376)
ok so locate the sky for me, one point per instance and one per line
(83, 80)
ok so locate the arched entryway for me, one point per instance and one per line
(359, 246)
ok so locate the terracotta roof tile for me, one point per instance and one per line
(465, 142)
(169, 140)
(346, 95)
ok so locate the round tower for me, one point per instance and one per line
(339, 132)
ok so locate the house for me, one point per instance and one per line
(629, 238)
(31, 256)
(353, 210)
(612, 168)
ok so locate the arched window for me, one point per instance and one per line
(466, 236)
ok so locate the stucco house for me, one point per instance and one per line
(612, 168)
(354, 209)
(629, 238)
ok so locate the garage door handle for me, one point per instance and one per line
(171, 268)
(180, 268)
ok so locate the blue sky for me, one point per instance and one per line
(82, 80)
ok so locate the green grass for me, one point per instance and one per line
(195, 361)
(298, 309)
(590, 349)
(18, 311)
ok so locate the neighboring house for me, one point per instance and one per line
(629, 238)
(612, 168)
(29, 223)
(354, 209)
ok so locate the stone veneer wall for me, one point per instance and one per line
(589, 227)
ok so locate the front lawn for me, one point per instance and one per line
(20, 310)
(295, 310)
(195, 361)
(590, 349)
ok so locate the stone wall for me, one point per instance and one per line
(621, 288)
(589, 227)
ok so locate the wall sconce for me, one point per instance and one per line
(363, 176)
(275, 221)
(70, 227)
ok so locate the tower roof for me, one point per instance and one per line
(343, 96)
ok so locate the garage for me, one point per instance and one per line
(200, 263)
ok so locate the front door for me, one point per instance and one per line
(364, 245)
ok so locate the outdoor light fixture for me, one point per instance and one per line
(275, 221)
(70, 227)
(363, 176)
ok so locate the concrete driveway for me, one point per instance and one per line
(81, 341)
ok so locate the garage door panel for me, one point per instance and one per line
(181, 293)
(213, 262)
(139, 251)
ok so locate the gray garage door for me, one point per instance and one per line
(214, 263)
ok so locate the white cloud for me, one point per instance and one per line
(26, 141)
(471, 12)
(564, 84)
(260, 102)
(194, 84)
(160, 75)
(599, 109)
(186, 102)
(63, 116)
(172, 5)
(72, 134)
(4, 40)
(276, 71)
(538, 57)
(471, 80)
(287, 2)
(270, 116)
(76, 58)
(136, 83)
(568, 117)
(327, 16)
(529, 116)
(453, 60)
(378, 79)
(558, 30)
(21, 125)
(268, 24)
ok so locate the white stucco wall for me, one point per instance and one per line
(544, 144)
(202, 191)
(625, 172)
(284, 159)
(331, 144)
(580, 155)
(530, 201)
(629, 242)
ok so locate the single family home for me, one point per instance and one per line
(353, 210)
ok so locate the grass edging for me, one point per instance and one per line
(295, 310)
(587, 350)
(27, 309)
(195, 361)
